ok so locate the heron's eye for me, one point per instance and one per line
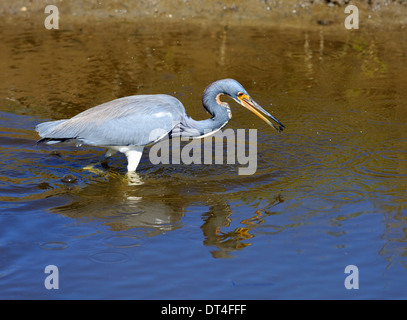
(240, 94)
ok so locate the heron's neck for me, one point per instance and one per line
(220, 113)
(204, 127)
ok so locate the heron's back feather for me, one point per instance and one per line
(134, 120)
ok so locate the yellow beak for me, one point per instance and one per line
(251, 105)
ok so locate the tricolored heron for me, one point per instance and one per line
(130, 123)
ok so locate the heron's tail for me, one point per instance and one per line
(47, 132)
(53, 140)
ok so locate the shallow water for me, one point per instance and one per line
(328, 192)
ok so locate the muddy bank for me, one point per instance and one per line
(284, 13)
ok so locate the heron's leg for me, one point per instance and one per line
(110, 152)
(133, 157)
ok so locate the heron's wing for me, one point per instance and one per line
(135, 120)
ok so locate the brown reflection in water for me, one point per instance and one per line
(218, 218)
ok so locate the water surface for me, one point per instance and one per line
(327, 193)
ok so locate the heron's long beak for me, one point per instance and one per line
(250, 104)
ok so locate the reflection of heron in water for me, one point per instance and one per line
(153, 209)
(124, 205)
(129, 124)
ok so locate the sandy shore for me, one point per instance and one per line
(286, 13)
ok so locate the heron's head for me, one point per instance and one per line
(236, 91)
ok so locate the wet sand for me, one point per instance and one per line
(383, 14)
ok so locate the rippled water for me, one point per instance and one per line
(328, 192)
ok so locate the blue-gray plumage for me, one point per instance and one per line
(130, 123)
